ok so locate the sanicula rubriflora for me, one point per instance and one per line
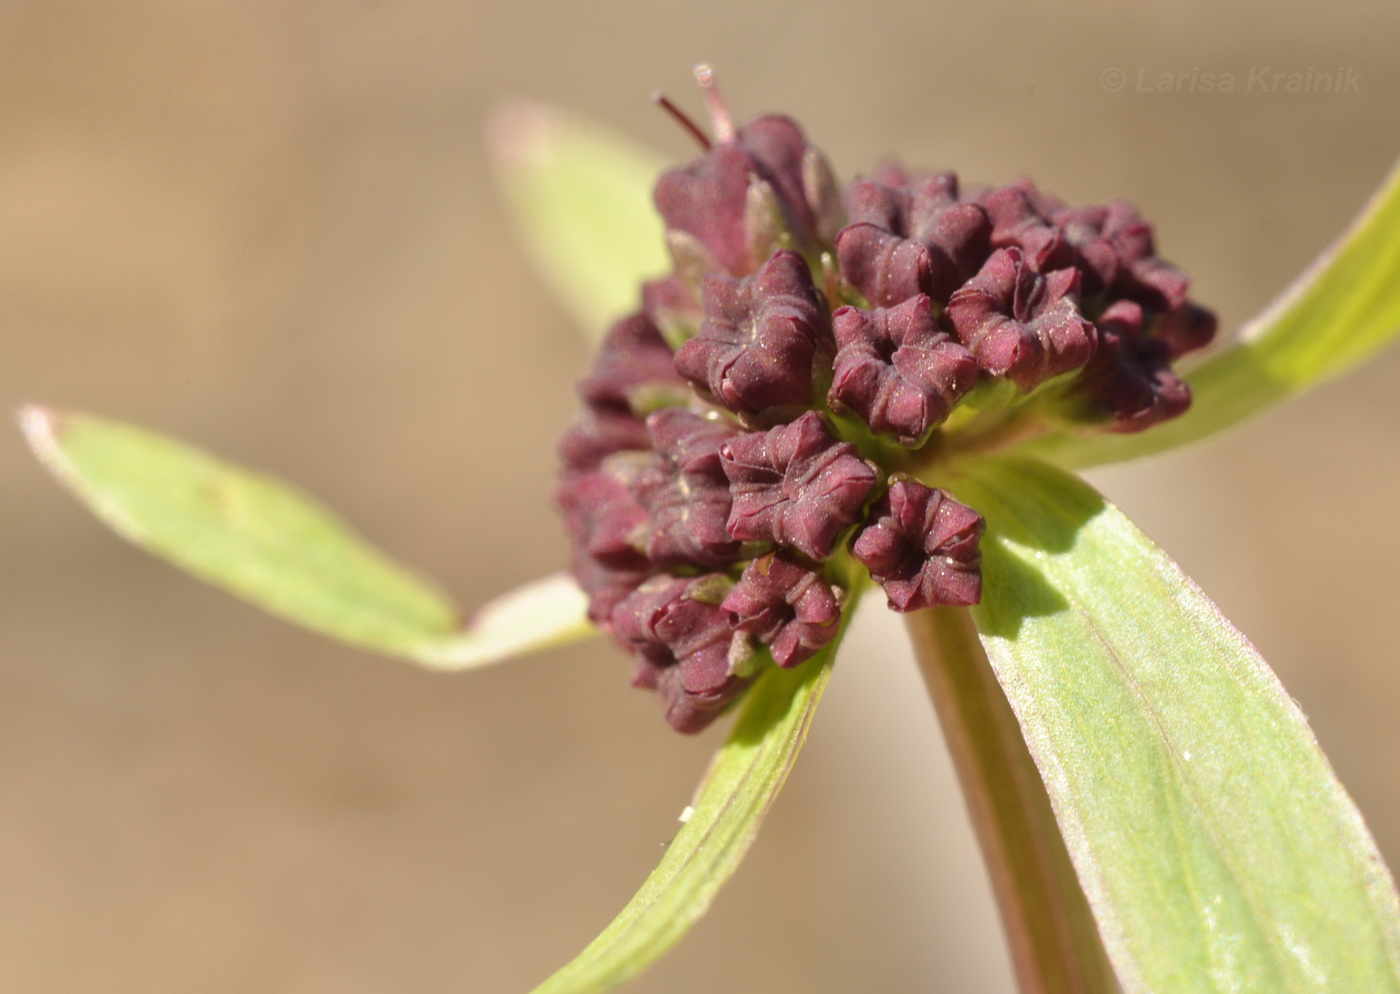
(816, 353)
(886, 383)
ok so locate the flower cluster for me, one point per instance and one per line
(762, 419)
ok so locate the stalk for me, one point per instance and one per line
(1054, 943)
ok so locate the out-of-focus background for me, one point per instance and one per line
(270, 228)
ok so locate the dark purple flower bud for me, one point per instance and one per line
(760, 335)
(922, 548)
(595, 435)
(633, 357)
(1021, 217)
(1113, 248)
(916, 239)
(796, 485)
(710, 200)
(1185, 329)
(602, 513)
(897, 369)
(686, 491)
(786, 606)
(1129, 382)
(604, 586)
(1020, 324)
(674, 310)
(685, 648)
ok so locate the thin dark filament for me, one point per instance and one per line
(682, 119)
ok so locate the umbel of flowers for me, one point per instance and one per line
(770, 408)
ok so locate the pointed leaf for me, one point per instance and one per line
(1340, 311)
(266, 542)
(1215, 845)
(743, 780)
(581, 196)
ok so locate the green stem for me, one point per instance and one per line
(1054, 943)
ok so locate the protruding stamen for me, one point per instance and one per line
(662, 101)
(719, 111)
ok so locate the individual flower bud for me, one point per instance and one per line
(1129, 383)
(1021, 217)
(795, 485)
(634, 356)
(595, 435)
(683, 644)
(1185, 329)
(897, 369)
(756, 346)
(1114, 248)
(602, 513)
(1019, 324)
(671, 306)
(686, 491)
(709, 199)
(786, 606)
(917, 239)
(922, 548)
(605, 586)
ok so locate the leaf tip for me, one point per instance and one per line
(43, 430)
(518, 134)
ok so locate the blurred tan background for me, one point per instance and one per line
(269, 228)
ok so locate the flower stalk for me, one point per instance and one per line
(1050, 931)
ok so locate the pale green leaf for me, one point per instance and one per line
(548, 612)
(1340, 311)
(730, 804)
(1215, 845)
(581, 196)
(266, 542)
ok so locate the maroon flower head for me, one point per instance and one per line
(786, 606)
(726, 200)
(796, 485)
(760, 335)
(915, 239)
(686, 492)
(922, 548)
(705, 480)
(1019, 324)
(897, 369)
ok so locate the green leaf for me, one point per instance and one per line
(743, 780)
(539, 615)
(581, 196)
(1215, 845)
(266, 542)
(1339, 312)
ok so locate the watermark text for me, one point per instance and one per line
(1254, 79)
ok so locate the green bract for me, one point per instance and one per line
(1213, 843)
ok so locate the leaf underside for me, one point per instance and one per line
(742, 782)
(1211, 836)
(266, 542)
(581, 199)
(1338, 313)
